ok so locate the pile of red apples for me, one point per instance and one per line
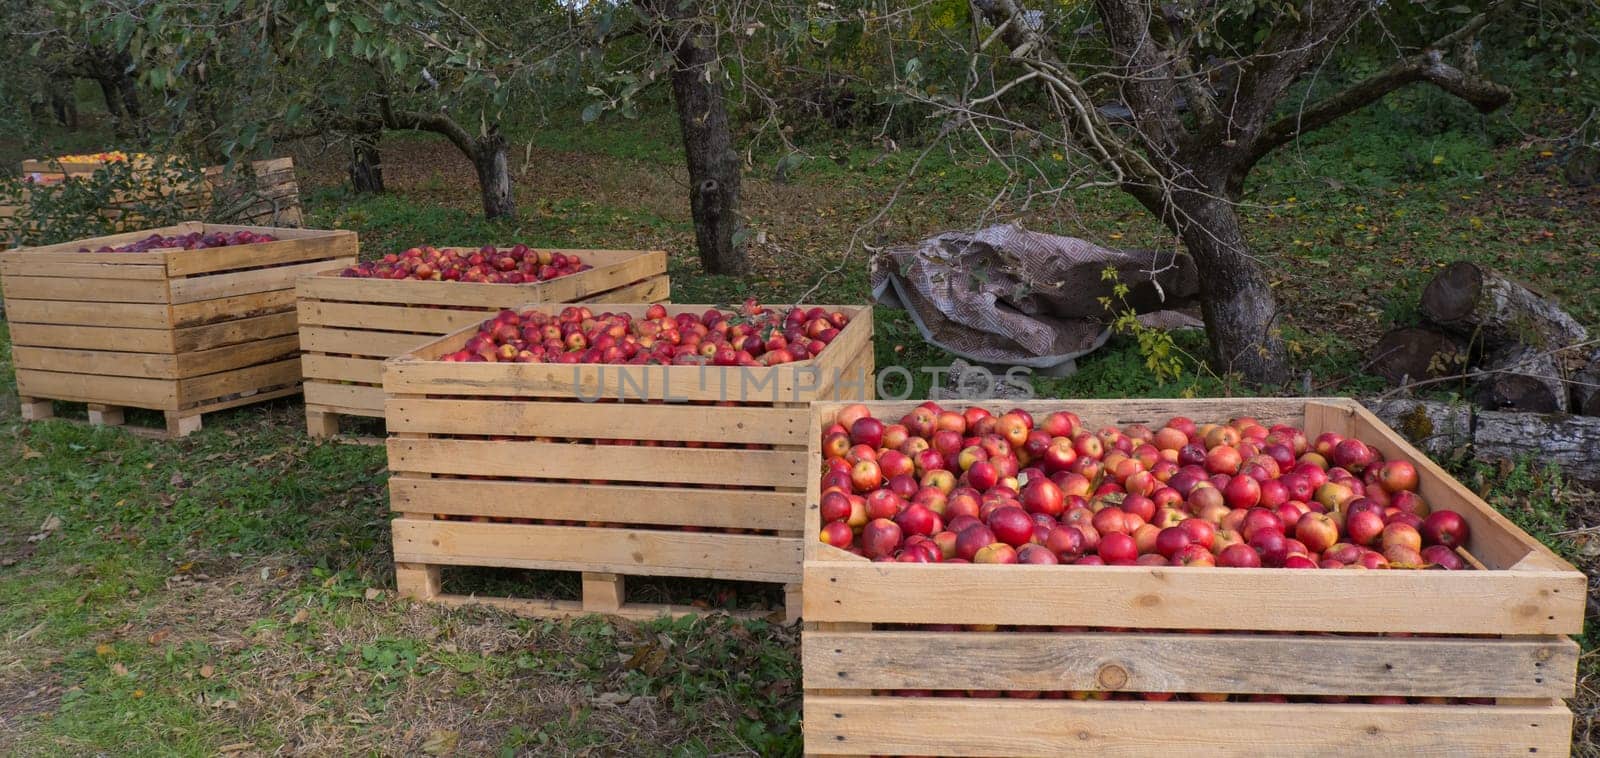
(755, 335)
(190, 241)
(518, 264)
(971, 487)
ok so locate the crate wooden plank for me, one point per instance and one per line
(73, 313)
(353, 342)
(339, 369)
(393, 318)
(747, 424)
(77, 361)
(117, 240)
(91, 338)
(552, 460)
(234, 283)
(241, 306)
(205, 337)
(88, 388)
(322, 250)
(405, 375)
(212, 386)
(102, 290)
(242, 355)
(656, 289)
(622, 551)
(1441, 602)
(72, 269)
(604, 276)
(999, 727)
(1231, 663)
(330, 286)
(717, 508)
(349, 399)
(541, 608)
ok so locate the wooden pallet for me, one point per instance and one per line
(1500, 634)
(500, 464)
(184, 332)
(179, 423)
(349, 326)
(268, 195)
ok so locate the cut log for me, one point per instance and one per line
(1496, 312)
(1444, 431)
(1586, 388)
(1523, 379)
(1413, 353)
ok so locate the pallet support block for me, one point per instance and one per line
(35, 409)
(105, 415)
(321, 423)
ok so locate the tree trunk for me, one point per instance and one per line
(110, 91)
(703, 118)
(1477, 302)
(366, 165)
(1235, 298)
(1412, 354)
(494, 176)
(1527, 379)
(1443, 430)
(63, 102)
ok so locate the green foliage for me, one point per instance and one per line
(115, 198)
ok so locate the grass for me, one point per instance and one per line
(231, 592)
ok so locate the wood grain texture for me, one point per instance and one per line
(999, 727)
(94, 290)
(348, 399)
(638, 265)
(666, 506)
(634, 421)
(551, 460)
(620, 551)
(1233, 663)
(1442, 602)
(71, 313)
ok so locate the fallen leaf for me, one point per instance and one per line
(138, 694)
(441, 742)
(29, 453)
(102, 650)
(373, 593)
(159, 636)
(300, 616)
(207, 671)
(119, 669)
(236, 747)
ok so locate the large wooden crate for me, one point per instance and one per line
(185, 332)
(349, 326)
(697, 473)
(1499, 634)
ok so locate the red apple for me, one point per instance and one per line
(1239, 556)
(880, 538)
(1446, 527)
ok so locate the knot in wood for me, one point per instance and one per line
(1111, 677)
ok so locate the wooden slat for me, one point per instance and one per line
(734, 509)
(71, 313)
(348, 399)
(97, 362)
(194, 338)
(242, 306)
(539, 608)
(95, 290)
(242, 355)
(307, 245)
(634, 421)
(656, 289)
(355, 342)
(1444, 602)
(760, 468)
(117, 240)
(999, 727)
(212, 386)
(788, 383)
(15, 266)
(621, 551)
(235, 283)
(389, 318)
(92, 338)
(1230, 663)
(161, 394)
(605, 275)
(328, 285)
(364, 370)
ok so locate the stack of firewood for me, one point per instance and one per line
(1517, 349)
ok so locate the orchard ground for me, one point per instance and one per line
(231, 592)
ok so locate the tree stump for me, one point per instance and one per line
(1444, 430)
(1586, 388)
(1523, 379)
(1410, 354)
(1495, 311)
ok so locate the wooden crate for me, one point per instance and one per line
(489, 464)
(185, 332)
(349, 326)
(1498, 633)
